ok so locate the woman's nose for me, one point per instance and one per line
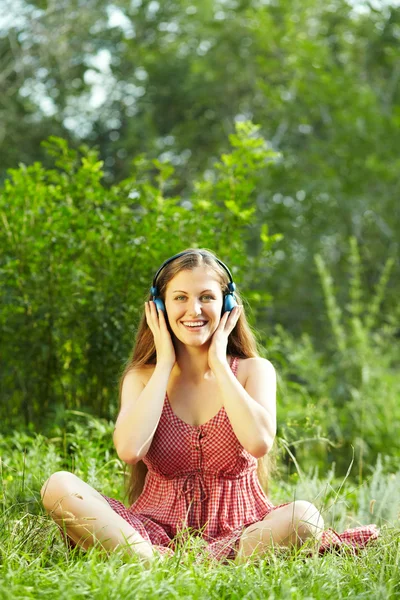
(195, 308)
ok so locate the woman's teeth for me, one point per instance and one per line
(196, 324)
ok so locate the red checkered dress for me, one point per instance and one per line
(202, 481)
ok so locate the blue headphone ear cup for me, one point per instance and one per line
(229, 303)
(159, 304)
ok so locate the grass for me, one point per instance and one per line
(35, 563)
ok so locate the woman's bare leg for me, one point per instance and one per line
(87, 518)
(288, 526)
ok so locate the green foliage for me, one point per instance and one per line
(343, 400)
(77, 260)
(77, 253)
(170, 80)
(76, 264)
(365, 392)
(34, 561)
(363, 314)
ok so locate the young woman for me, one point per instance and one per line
(197, 417)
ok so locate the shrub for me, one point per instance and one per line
(77, 260)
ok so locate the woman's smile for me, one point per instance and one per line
(193, 302)
(194, 325)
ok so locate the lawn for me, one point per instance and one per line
(36, 564)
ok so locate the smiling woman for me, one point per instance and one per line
(199, 308)
(197, 419)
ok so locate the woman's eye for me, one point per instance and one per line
(206, 297)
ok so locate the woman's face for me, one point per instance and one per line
(193, 301)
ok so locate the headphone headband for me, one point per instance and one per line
(229, 299)
(165, 263)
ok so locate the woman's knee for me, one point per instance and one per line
(57, 486)
(307, 520)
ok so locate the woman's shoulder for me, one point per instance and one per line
(245, 368)
(253, 366)
(142, 372)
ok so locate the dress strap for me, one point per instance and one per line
(234, 364)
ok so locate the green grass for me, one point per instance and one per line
(35, 563)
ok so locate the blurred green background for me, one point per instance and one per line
(266, 131)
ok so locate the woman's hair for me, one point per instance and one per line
(241, 343)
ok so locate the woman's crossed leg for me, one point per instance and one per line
(288, 526)
(88, 519)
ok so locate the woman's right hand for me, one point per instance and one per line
(162, 338)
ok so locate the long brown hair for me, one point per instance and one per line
(242, 343)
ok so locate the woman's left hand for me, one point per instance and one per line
(219, 340)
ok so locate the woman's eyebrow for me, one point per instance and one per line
(182, 292)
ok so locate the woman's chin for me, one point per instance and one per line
(195, 343)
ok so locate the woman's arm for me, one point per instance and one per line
(141, 407)
(142, 402)
(251, 409)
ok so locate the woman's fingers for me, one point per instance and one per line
(151, 314)
(151, 308)
(154, 317)
(232, 318)
(161, 316)
(147, 312)
(161, 320)
(228, 321)
(162, 338)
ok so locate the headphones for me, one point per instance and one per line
(229, 298)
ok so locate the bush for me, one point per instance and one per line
(77, 260)
(341, 402)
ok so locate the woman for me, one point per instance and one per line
(197, 414)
